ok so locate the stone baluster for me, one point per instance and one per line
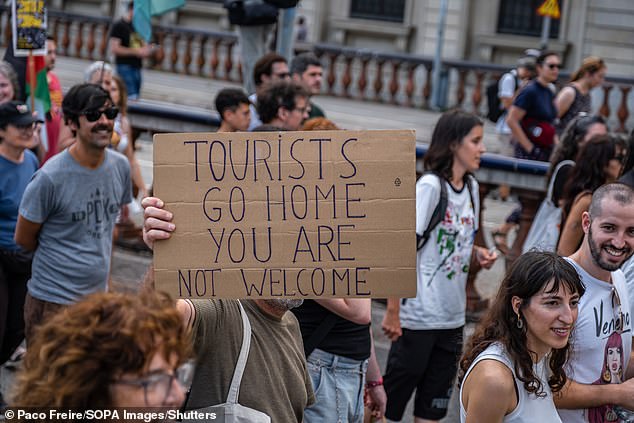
(427, 86)
(394, 84)
(332, 76)
(623, 112)
(215, 59)
(605, 107)
(409, 86)
(346, 80)
(229, 60)
(201, 56)
(476, 305)
(55, 26)
(66, 38)
(187, 59)
(530, 201)
(79, 39)
(90, 45)
(103, 46)
(476, 97)
(362, 83)
(378, 80)
(174, 56)
(160, 53)
(460, 91)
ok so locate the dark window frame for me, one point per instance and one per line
(378, 10)
(521, 18)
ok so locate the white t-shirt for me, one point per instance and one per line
(530, 407)
(443, 263)
(506, 88)
(600, 353)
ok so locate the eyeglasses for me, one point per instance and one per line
(94, 115)
(619, 157)
(553, 65)
(160, 384)
(619, 317)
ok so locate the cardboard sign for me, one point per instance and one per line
(287, 214)
(29, 21)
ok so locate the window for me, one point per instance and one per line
(380, 10)
(521, 18)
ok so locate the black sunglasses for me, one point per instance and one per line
(94, 115)
(554, 65)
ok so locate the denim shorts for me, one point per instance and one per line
(338, 383)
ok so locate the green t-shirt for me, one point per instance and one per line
(275, 379)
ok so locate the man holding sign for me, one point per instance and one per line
(276, 358)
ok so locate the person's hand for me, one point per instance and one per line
(144, 51)
(485, 257)
(157, 223)
(375, 400)
(392, 325)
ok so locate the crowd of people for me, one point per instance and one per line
(554, 342)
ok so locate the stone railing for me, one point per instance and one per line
(400, 79)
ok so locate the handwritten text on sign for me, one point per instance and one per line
(288, 214)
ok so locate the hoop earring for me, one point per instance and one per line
(520, 322)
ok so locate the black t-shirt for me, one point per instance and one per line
(125, 32)
(346, 338)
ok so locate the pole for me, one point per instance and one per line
(545, 32)
(440, 36)
(30, 63)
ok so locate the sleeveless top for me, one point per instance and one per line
(581, 103)
(530, 407)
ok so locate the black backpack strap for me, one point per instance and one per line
(437, 215)
(469, 183)
(320, 332)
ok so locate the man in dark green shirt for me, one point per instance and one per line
(307, 69)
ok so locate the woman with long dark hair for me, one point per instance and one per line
(426, 331)
(515, 359)
(599, 162)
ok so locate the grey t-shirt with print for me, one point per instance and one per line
(77, 208)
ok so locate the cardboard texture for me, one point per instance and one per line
(287, 214)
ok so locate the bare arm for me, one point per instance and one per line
(356, 310)
(489, 380)
(507, 102)
(513, 120)
(564, 100)
(629, 372)
(572, 232)
(579, 395)
(135, 169)
(115, 47)
(26, 233)
(376, 397)
(391, 321)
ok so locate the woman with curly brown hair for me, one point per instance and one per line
(515, 359)
(109, 350)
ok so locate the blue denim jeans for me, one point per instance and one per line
(338, 383)
(132, 77)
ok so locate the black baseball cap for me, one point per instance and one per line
(16, 113)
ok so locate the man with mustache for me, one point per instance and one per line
(69, 208)
(592, 393)
(275, 382)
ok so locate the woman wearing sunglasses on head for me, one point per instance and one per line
(109, 350)
(575, 97)
(517, 355)
(531, 117)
